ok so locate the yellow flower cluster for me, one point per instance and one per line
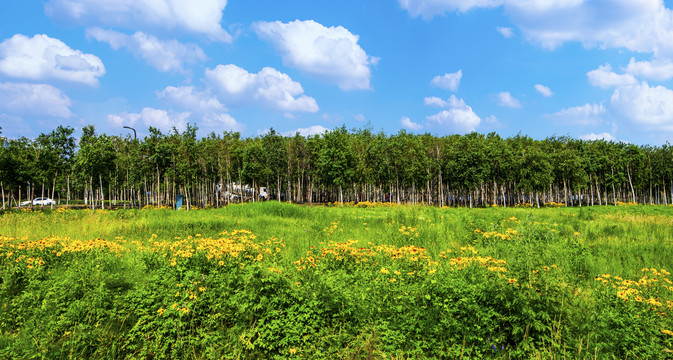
(372, 204)
(408, 230)
(554, 204)
(509, 234)
(333, 226)
(57, 245)
(620, 203)
(655, 282)
(237, 245)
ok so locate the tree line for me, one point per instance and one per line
(337, 166)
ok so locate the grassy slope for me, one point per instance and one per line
(615, 240)
(584, 242)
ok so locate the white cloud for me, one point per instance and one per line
(163, 55)
(33, 100)
(448, 81)
(222, 122)
(429, 8)
(435, 101)
(43, 58)
(459, 118)
(587, 114)
(160, 119)
(195, 16)
(452, 102)
(506, 32)
(330, 54)
(545, 91)
(651, 107)
(658, 69)
(359, 117)
(205, 109)
(407, 123)
(605, 78)
(188, 98)
(309, 131)
(642, 25)
(507, 100)
(602, 136)
(269, 87)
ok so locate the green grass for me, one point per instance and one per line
(341, 307)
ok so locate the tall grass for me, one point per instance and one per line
(289, 299)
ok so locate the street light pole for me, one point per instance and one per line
(134, 131)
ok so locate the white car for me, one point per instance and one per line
(38, 201)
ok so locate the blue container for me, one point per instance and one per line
(178, 201)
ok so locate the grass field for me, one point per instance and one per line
(270, 280)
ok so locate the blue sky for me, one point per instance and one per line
(587, 69)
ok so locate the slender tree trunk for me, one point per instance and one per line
(67, 201)
(633, 193)
(614, 193)
(53, 188)
(102, 195)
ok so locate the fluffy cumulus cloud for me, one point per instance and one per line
(429, 8)
(206, 110)
(459, 117)
(43, 58)
(237, 87)
(587, 114)
(648, 106)
(543, 90)
(408, 124)
(195, 16)
(448, 81)
(657, 69)
(158, 118)
(221, 121)
(163, 55)
(643, 25)
(189, 98)
(603, 77)
(309, 131)
(602, 136)
(331, 54)
(507, 100)
(33, 100)
(435, 102)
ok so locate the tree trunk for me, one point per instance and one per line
(633, 193)
(53, 188)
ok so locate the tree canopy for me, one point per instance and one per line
(338, 165)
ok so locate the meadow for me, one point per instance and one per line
(360, 281)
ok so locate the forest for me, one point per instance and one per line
(341, 165)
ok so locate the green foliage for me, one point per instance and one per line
(336, 282)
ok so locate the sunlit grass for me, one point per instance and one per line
(530, 280)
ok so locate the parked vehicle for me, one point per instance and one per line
(38, 201)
